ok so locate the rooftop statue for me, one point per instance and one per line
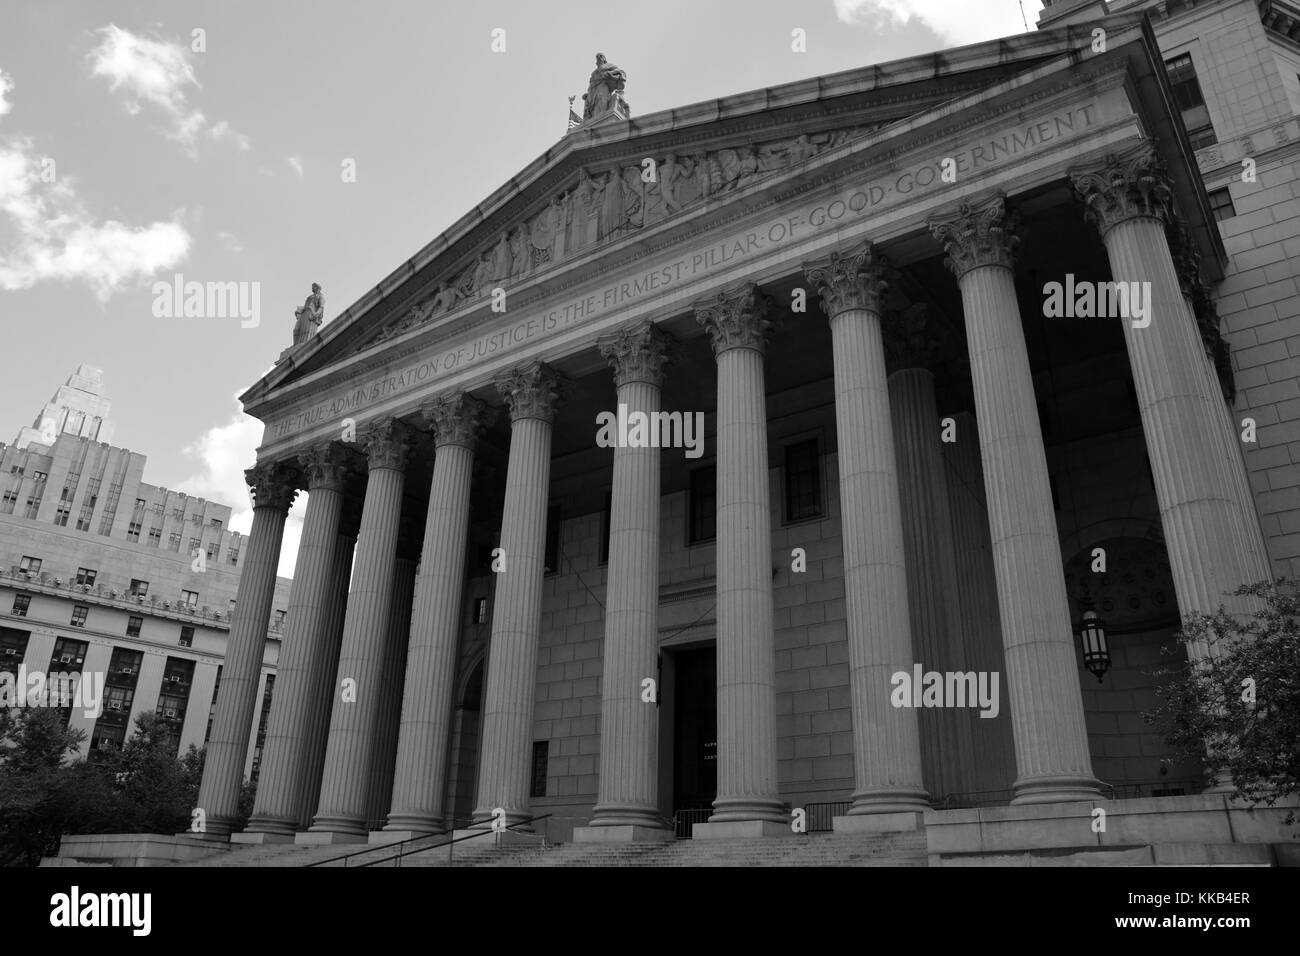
(604, 90)
(308, 316)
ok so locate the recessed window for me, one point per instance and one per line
(234, 555)
(213, 548)
(61, 514)
(140, 504)
(1221, 205)
(279, 617)
(79, 613)
(133, 531)
(195, 544)
(21, 603)
(189, 598)
(39, 475)
(155, 537)
(187, 636)
(133, 625)
(803, 482)
(553, 525)
(139, 588)
(1190, 102)
(541, 756)
(8, 502)
(215, 523)
(30, 564)
(86, 575)
(174, 541)
(703, 505)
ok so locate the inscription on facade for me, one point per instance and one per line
(684, 267)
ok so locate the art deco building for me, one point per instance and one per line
(910, 459)
(100, 572)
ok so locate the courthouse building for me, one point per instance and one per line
(910, 461)
(103, 574)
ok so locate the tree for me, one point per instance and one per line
(157, 790)
(1238, 704)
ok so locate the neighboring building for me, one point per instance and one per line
(100, 572)
(908, 458)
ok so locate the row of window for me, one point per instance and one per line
(22, 602)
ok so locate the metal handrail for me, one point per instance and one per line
(405, 843)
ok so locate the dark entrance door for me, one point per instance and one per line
(695, 729)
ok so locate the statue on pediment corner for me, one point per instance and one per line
(502, 259)
(309, 315)
(604, 91)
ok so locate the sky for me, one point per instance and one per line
(279, 143)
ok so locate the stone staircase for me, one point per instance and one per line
(895, 849)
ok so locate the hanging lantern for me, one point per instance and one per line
(1092, 634)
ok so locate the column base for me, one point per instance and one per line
(609, 833)
(891, 800)
(740, 830)
(280, 825)
(1058, 788)
(414, 824)
(259, 837)
(879, 822)
(743, 810)
(323, 837)
(628, 815)
(352, 825)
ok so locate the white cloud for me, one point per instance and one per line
(296, 163)
(6, 87)
(223, 452)
(157, 72)
(51, 236)
(230, 241)
(958, 22)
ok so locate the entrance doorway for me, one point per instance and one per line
(695, 731)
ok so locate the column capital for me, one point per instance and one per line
(272, 484)
(736, 318)
(1129, 185)
(916, 339)
(388, 444)
(850, 279)
(532, 391)
(637, 353)
(326, 467)
(457, 418)
(978, 233)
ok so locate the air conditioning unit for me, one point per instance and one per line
(11, 652)
(127, 670)
(175, 678)
(169, 713)
(114, 705)
(65, 658)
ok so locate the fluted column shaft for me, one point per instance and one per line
(393, 667)
(886, 742)
(325, 692)
(304, 656)
(1037, 632)
(223, 769)
(746, 668)
(947, 752)
(350, 749)
(421, 770)
(504, 762)
(629, 723)
(1212, 536)
(977, 597)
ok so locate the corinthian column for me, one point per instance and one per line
(627, 806)
(1042, 676)
(341, 816)
(532, 393)
(886, 745)
(427, 706)
(947, 752)
(747, 803)
(274, 487)
(304, 657)
(1213, 548)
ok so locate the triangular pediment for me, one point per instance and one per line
(606, 182)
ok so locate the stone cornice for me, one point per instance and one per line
(976, 234)
(638, 353)
(737, 318)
